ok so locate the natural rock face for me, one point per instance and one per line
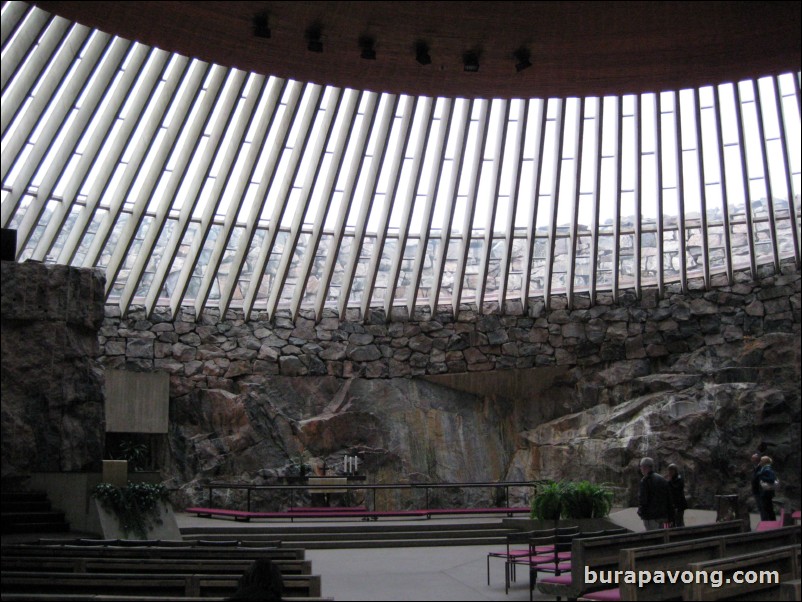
(52, 399)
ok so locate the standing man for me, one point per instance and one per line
(654, 498)
(676, 485)
(756, 490)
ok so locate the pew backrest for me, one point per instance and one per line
(215, 553)
(721, 581)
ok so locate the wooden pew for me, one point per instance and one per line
(34, 597)
(83, 564)
(791, 591)
(677, 556)
(601, 553)
(211, 553)
(144, 584)
(785, 561)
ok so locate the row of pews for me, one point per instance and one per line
(589, 566)
(152, 571)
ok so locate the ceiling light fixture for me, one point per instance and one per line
(261, 28)
(367, 45)
(313, 38)
(522, 58)
(422, 53)
(470, 61)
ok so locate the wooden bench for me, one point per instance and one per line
(601, 553)
(785, 561)
(84, 564)
(791, 591)
(138, 584)
(346, 512)
(154, 552)
(34, 597)
(677, 556)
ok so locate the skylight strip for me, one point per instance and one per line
(503, 110)
(516, 173)
(658, 186)
(750, 232)
(174, 180)
(41, 158)
(437, 162)
(719, 118)
(358, 142)
(35, 66)
(702, 190)
(539, 135)
(159, 158)
(637, 188)
(392, 171)
(157, 63)
(102, 122)
(556, 181)
(314, 149)
(364, 204)
(347, 113)
(578, 145)
(680, 180)
(217, 149)
(761, 134)
(225, 86)
(27, 121)
(783, 119)
(144, 143)
(235, 187)
(425, 112)
(313, 96)
(20, 30)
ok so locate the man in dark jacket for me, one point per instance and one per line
(654, 498)
(756, 491)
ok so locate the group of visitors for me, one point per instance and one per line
(662, 503)
(764, 484)
(661, 500)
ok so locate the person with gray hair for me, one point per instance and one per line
(654, 498)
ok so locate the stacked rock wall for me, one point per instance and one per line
(52, 397)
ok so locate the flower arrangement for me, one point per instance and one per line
(135, 506)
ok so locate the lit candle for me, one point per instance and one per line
(356, 463)
(345, 463)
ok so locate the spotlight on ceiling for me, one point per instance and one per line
(470, 61)
(367, 46)
(422, 53)
(260, 26)
(522, 56)
(313, 37)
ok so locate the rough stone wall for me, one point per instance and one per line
(700, 378)
(52, 399)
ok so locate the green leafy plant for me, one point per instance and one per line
(135, 506)
(566, 499)
(135, 453)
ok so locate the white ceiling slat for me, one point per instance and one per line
(658, 185)
(359, 147)
(539, 140)
(348, 112)
(236, 188)
(719, 119)
(57, 124)
(314, 148)
(148, 80)
(143, 143)
(392, 172)
(260, 138)
(744, 183)
(365, 204)
(556, 178)
(495, 178)
(618, 153)
(174, 181)
(680, 180)
(237, 119)
(26, 26)
(159, 158)
(107, 112)
(225, 98)
(424, 109)
(293, 163)
(578, 145)
(226, 105)
(515, 176)
(475, 174)
(450, 192)
(41, 56)
(761, 134)
(783, 121)
(596, 196)
(430, 199)
(637, 191)
(702, 189)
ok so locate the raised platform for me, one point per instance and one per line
(344, 513)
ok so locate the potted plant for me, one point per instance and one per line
(136, 506)
(571, 503)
